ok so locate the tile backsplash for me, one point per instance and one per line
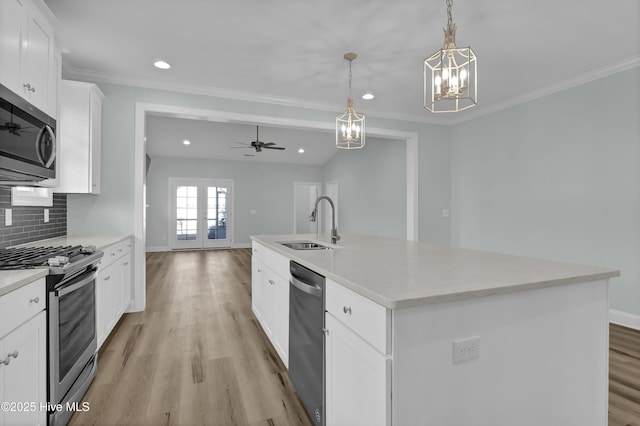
(28, 222)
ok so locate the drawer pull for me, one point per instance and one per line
(113, 254)
(35, 300)
(13, 354)
(6, 361)
(347, 310)
(107, 278)
(271, 282)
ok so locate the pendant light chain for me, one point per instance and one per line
(449, 18)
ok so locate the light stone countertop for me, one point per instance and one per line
(100, 241)
(12, 280)
(400, 274)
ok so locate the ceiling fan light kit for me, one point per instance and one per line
(350, 126)
(450, 74)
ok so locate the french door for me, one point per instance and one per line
(200, 213)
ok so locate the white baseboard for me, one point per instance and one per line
(154, 249)
(166, 248)
(624, 318)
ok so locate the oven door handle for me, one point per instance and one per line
(73, 287)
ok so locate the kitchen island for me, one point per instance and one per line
(435, 335)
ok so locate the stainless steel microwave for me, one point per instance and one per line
(27, 141)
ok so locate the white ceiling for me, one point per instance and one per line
(227, 141)
(290, 52)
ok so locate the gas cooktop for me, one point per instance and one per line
(55, 258)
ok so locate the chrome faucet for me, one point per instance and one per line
(334, 231)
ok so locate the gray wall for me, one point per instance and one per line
(557, 178)
(265, 187)
(373, 190)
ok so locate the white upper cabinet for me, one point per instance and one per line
(79, 137)
(27, 53)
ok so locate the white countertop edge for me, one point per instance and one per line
(412, 301)
(14, 279)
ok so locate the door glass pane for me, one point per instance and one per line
(186, 212)
(216, 213)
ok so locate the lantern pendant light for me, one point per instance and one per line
(350, 132)
(450, 74)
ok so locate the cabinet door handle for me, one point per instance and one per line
(347, 310)
(29, 87)
(271, 282)
(326, 331)
(13, 354)
(6, 361)
(35, 300)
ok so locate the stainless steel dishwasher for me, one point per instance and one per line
(306, 338)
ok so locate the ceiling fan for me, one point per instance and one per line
(258, 145)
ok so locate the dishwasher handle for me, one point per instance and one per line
(307, 288)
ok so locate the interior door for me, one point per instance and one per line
(201, 212)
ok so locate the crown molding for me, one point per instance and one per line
(439, 119)
(579, 80)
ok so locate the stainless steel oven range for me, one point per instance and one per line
(71, 319)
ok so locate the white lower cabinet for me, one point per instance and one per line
(113, 288)
(357, 379)
(270, 297)
(23, 356)
(357, 361)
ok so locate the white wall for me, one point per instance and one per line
(557, 178)
(373, 196)
(264, 187)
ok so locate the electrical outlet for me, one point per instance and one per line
(8, 217)
(46, 215)
(466, 349)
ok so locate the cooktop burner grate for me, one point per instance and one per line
(32, 257)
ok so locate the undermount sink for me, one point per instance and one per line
(305, 245)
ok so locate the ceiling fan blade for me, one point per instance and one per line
(268, 143)
(281, 148)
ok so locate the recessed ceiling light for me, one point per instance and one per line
(186, 142)
(367, 96)
(301, 150)
(162, 65)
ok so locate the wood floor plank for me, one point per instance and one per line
(197, 354)
(624, 376)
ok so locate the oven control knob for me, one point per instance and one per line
(58, 261)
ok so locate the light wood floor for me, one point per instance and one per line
(197, 356)
(624, 376)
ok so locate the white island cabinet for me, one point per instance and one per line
(430, 335)
(23, 355)
(270, 297)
